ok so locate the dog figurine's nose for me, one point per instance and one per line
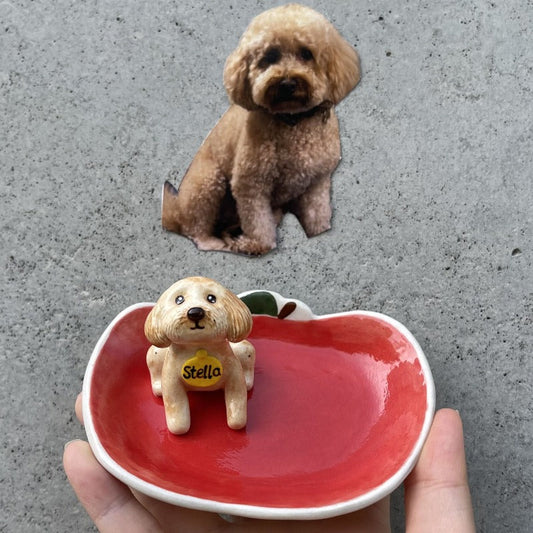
(195, 314)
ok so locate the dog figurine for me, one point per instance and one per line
(197, 330)
(275, 149)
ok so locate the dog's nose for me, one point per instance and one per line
(287, 87)
(195, 314)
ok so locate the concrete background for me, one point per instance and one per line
(100, 102)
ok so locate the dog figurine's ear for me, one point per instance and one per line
(153, 328)
(236, 79)
(239, 318)
(343, 68)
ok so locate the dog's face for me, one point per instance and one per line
(195, 311)
(289, 60)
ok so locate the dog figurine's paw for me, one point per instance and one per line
(179, 425)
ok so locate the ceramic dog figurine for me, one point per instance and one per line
(197, 330)
(275, 149)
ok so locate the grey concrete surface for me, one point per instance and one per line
(102, 101)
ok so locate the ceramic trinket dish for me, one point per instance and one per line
(338, 414)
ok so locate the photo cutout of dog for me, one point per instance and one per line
(197, 330)
(276, 147)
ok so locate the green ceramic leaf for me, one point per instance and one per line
(261, 303)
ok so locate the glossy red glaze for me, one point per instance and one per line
(337, 407)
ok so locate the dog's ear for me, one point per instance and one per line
(239, 318)
(343, 68)
(236, 80)
(153, 328)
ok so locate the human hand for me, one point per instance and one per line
(437, 497)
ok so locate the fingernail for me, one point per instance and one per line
(70, 442)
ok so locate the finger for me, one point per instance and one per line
(110, 503)
(437, 497)
(178, 519)
(375, 519)
(78, 408)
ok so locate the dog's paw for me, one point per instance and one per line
(156, 388)
(178, 425)
(210, 243)
(236, 417)
(249, 379)
(249, 246)
(311, 230)
(236, 424)
(315, 219)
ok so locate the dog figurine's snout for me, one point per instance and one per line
(195, 314)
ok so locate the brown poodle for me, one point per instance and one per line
(276, 147)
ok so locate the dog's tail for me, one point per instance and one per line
(169, 208)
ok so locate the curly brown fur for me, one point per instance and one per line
(276, 147)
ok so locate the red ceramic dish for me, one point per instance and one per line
(337, 417)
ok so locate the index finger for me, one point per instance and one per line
(78, 408)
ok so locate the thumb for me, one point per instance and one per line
(110, 504)
(437, 497)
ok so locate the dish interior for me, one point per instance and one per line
(337, 407)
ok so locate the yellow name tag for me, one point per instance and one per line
(202, 370)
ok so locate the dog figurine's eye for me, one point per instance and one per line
(306, 54)
(180, 299)
(211, 298)
(271, 57)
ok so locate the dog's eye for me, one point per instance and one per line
(306, 54)
(211, 298)
(180, 299)
(271, 57)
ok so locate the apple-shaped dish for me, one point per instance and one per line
(339, 412)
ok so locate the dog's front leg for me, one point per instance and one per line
(175, 399)
(236, 398)
(258, 224)
(313, 207)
